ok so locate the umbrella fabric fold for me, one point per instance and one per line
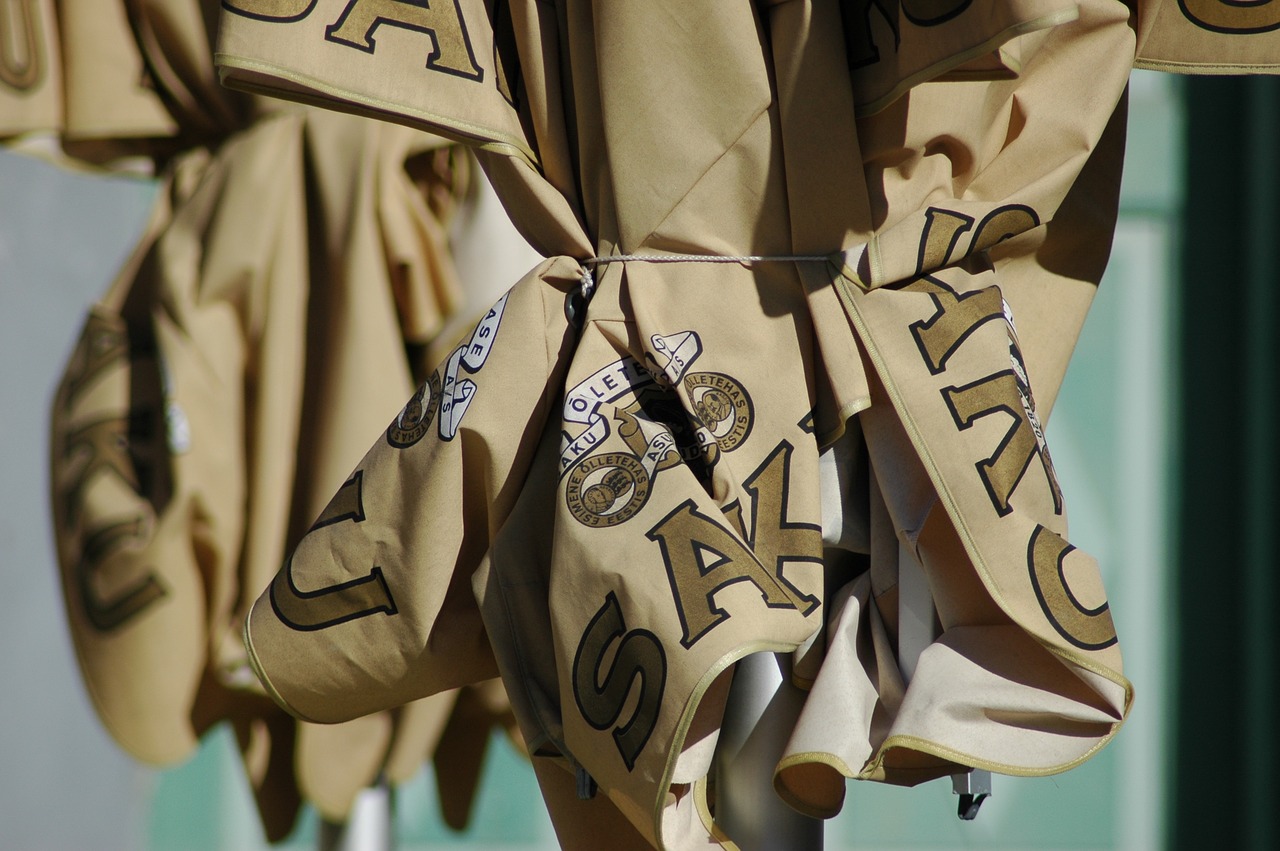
(220, 390)
(1207, 36)
(806, 262)
(30, 70)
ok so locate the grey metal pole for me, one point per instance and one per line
(370, 827)
(916, 631)
(762, 709)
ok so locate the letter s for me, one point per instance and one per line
(639, 656)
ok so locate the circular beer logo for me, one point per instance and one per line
(607, 489)
(413, 422)
(722, 405)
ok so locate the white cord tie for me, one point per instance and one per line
(706, 258)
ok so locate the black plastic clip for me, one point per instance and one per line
(576, 300)
(969, 805)
(973, 787)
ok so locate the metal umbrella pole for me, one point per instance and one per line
(761, 712)
(369, 827)
(917, 629)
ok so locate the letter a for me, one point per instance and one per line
(440, 20)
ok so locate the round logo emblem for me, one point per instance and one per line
(413, 422)
(607, 489)
(722, 405)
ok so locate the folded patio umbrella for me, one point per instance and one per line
(805, 263)
(268, 324)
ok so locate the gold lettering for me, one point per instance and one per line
(1002, 223)
(703, 557)
(347, 503)
(440, 20)
(107, 615)
(97, 447)
(860, 38)
(278, 11)
(775, 540)
(1003, 471)
(942, 230)
(342, 601)
(1087, 628)
(860, 43)
(335, 604)
(956, 317)
(103, 343)
(639, 656)
(930, 13)
(1235, 17)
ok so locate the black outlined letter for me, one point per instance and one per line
(601, 699)
(440, 20)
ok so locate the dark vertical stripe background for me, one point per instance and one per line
(1226, 780)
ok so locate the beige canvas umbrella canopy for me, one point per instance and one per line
(806, 263)
(265, 327)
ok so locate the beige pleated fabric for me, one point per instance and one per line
(30, 69)
(269, 323)
(807, 261)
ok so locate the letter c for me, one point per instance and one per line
(1231, 16)
(1086, 628)
(277, 11)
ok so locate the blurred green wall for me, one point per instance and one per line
(1226, 792)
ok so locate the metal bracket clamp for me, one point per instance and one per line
(973, 787)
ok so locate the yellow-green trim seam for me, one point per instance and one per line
(686, 718)
(261, 674)
(704, 815)
(809, 758)
(1175, 67)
